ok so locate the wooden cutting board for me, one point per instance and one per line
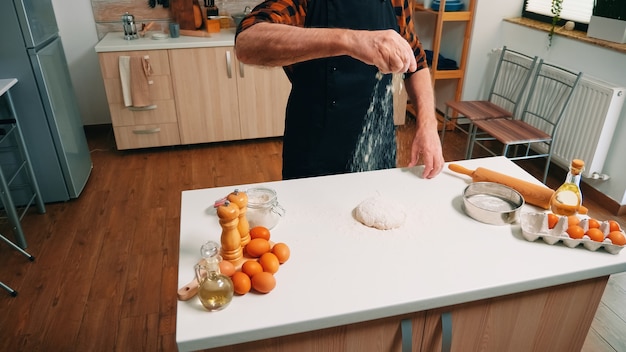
(182, 13)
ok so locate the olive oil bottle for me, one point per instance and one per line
(568, 198)
(215, 289)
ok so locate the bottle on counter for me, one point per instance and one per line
(567, 198)
(215, 290)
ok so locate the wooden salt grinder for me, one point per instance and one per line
(241, 199)
(230, 239)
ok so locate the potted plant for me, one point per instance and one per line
(555, 8)
(608, 21)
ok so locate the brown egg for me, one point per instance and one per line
(263, 282)
(241, 283)
(257, 247)
(281, 251)
(227, 268)
(251, 267)
(269, 262)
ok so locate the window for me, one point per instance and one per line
(578, 11)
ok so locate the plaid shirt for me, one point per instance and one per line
(293, 12)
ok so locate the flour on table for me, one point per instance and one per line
(380, 213)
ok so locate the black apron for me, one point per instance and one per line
(330, 99)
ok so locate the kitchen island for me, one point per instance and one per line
(350, 287)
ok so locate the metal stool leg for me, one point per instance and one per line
(5, 193)
(26, 254)
(12, 292)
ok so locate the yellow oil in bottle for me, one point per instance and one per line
(567, 198)
(215, 289)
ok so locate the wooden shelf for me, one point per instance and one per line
(448, 74)
(442, 17)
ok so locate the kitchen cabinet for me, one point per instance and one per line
(141, 128)
(551, 319)
(262, 94)
(220, 99)
(206, 97)
(201, 91)
(447, 83)
(377, 335)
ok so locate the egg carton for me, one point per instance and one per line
(535, 226)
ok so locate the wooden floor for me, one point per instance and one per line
(105, 275)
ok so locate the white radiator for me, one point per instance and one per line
(588, 124)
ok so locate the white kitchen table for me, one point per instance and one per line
(341, 272)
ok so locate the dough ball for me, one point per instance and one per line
(380, 213)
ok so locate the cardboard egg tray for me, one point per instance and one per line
(535, 226)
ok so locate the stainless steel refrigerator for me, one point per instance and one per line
(44, 98)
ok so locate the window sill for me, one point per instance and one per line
(576, 35)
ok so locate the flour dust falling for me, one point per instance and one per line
(375, 148)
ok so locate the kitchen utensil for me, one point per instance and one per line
(238, 17)
(534, 194)
(130, 28)
(145, 28)
(174, 30)
(492, 203)
(197, 16)
(188, 291)
(194, 33)
(182, 13)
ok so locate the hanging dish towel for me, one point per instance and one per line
(135, 73)
(124, 64)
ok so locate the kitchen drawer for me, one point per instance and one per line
(122, 116)
(161, 88)
(145, 136)
(109, 62)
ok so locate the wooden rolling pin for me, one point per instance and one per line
(534, 194)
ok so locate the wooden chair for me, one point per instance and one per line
(537, 124)
(511, 77)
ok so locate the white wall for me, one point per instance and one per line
(77, 29)
(491, 32)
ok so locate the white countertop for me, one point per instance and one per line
(341, 272)
(114, 41)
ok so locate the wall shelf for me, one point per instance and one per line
(442, 17)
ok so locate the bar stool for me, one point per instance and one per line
(12, 141)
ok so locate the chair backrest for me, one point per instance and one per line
(512, 74)
(551, 90)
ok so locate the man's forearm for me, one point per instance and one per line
(268, 44)
(271, 44)
(420, 91)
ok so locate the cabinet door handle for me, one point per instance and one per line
(148, 131)
(229, 70)
(406, 330)
(142, 108)
(241, 65)
(446, 331)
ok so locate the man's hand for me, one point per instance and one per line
(385, 49)
(426, 144)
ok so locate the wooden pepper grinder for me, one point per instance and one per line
(231, 240)
(241, 199)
